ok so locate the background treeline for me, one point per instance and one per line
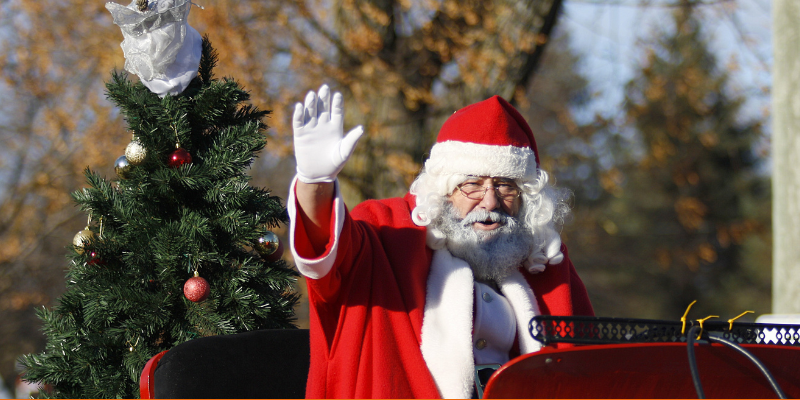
(671, 195)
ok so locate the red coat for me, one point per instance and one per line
(366, 311)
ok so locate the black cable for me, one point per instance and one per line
(690, 339)
(755, 361)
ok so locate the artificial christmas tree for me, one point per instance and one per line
(180, 210)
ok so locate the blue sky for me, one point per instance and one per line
(610, 35)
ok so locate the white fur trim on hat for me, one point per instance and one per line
(453, 157)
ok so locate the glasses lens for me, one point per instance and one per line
(507, 191)
(472, 190)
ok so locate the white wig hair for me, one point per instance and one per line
(543, 210)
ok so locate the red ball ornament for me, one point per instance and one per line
(94, 259)
(196, 288)
(179, 157)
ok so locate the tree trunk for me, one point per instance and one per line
(785, 156)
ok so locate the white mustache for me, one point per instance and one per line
(481, 215)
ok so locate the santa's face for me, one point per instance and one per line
(479, 221)
(489, 194)
(492, 253)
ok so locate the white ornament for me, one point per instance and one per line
(135, 152)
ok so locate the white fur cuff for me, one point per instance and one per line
(318, 267)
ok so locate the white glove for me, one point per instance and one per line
(320, 146)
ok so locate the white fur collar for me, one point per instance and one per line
(447, 322)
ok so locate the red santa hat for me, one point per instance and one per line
(488, 138)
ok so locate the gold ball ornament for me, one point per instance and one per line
(81, 239)
(122, 167)
(269, 246)
(135, 153)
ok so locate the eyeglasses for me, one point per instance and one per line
(476, 191)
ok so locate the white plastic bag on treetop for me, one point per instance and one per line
(159, 45)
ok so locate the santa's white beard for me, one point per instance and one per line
(492, 254)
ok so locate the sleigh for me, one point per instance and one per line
(610, 358)
(630, 358)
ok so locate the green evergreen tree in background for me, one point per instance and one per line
(693, 208)
(156, 226)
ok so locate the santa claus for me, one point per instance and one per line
(407, 295)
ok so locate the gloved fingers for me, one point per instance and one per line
(337, 109)
(297, 119)
(310, 118)
(348, 143)
(324, 104)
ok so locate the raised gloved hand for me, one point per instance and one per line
(320, 146)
